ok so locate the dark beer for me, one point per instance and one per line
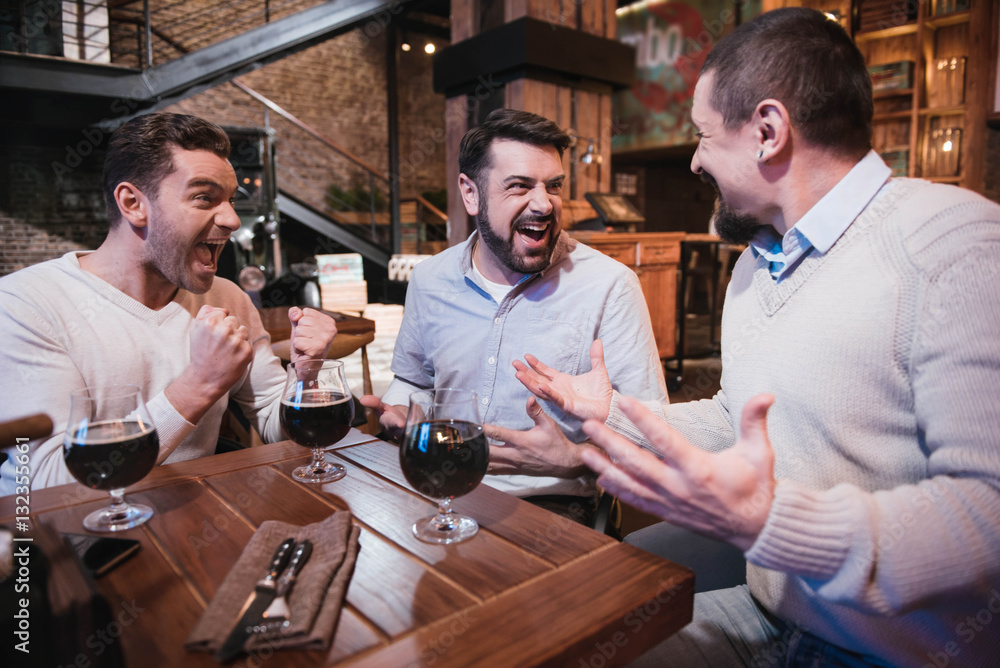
(318, 419)
(110, 455)
(444, 458)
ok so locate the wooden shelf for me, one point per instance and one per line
(893, 116)
(970, 33)
(943, 179)
(945, 20)
(885, 33)
(943, 111)
(885, 94)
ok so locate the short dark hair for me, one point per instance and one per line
(805, 60)
(474, 156)
(139, 152)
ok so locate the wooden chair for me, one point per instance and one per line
(342, 346)
(31, 427)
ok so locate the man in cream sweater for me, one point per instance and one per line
(853, 453)
(145, 308)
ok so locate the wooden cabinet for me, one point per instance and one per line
(654, 258)
(939, 121)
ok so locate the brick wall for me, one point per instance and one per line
(338, 88)
(44, 214)
(422, 165)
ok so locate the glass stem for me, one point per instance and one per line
(118, 505)
(318, 460)
(444, 506)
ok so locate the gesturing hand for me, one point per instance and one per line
(312, 333)
(587, 396)
(725, 495)
(541, 450)
(391, 417)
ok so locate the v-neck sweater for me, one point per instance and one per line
(884, 358)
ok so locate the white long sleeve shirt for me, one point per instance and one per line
(64, 329)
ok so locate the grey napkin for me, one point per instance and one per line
(314, 601)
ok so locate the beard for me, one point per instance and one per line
(503, 249)
(731, 225)
(168, 254)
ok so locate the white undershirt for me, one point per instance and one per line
(497, 290)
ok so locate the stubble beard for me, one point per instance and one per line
(503, 249)
(167, 254)
(732, 226)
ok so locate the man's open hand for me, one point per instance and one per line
(725, 495)
(586, 397)
(541, 450)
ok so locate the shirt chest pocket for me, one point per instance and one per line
(555, 341)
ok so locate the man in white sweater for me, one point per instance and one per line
(146, 308)
(853, 452)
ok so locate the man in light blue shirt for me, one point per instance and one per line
(516, 286)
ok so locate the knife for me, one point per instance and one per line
(256, 602)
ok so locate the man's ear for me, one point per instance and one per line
(470, 194)
(132, 204)
(772, 128)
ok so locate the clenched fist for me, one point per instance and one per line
(312, 333)
(220, 347)
(220, 356)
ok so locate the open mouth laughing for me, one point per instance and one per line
(534, 232)
(207, 252)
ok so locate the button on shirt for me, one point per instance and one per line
(823, 224)
(454, 334)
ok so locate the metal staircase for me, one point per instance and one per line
(109, 92)
(155, 54)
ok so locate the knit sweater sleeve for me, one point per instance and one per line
(895, 550)
(259, 393)
(705, 424)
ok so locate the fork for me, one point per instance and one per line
(276, 617)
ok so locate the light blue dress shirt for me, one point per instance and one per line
(455, 334)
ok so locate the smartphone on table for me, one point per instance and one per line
(98, 555)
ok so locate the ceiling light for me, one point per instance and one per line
(429, 48)
(405, 46)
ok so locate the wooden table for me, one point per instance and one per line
(530, 589)
(276, 323)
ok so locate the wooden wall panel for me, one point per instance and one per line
(564, 117)
(456, 125)
(587, 124)
(463, 24)
(513, 9)
(592, 16)
(611, 19)
(606, 122)
(514, 94)
(538, 9)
